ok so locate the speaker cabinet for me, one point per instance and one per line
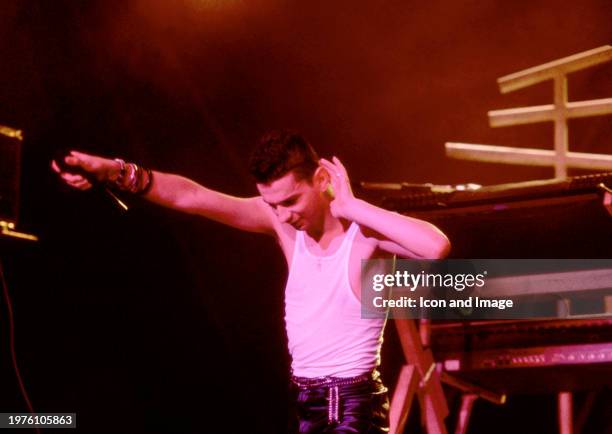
(10, 164)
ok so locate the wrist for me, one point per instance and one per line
(129, 177)
(115, 170)
(352, 207)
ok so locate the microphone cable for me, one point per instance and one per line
(11, 322)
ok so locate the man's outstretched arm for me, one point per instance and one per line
(176, 192)
(396, 233)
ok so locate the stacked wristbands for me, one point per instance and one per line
(131, 178)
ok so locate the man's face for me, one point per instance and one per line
(296, 202)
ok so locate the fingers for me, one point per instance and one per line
(55, 167)
(80, 159)
(76, 181)
(74, 159)
(81, 184)
(335, 169)
(334, 176)
(71, 160)
(71, 177)
(331, 167)
(340, 165)
(73, 180)
(80, 155)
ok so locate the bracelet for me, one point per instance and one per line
(132, 185)
(120, 178)
(149, 183)
(135, 187)
(131, 178)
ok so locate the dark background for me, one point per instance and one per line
(152, 321)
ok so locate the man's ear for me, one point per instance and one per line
(321, 179)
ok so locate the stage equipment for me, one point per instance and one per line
(540, 219)
(10, 170)
(559, 218)
(558, 112)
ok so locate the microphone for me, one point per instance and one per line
(59, 157)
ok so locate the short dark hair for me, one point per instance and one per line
(280, 151)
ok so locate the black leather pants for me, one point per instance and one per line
(354, 408)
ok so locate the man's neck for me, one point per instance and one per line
(329, 228)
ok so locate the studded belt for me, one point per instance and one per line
(332, 384)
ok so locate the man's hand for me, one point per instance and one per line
(344, 198)
(101, 169)
(398, 234)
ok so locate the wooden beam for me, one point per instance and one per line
(526, 156)
(544, 113)
(593, 107)
(467, 387)
(522, 115)
(561, 133)
(406, 387)
(550, 70)
(565, 412)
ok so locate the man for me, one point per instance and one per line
(306, 203)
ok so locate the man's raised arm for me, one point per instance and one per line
(171, 191)
(401, 235)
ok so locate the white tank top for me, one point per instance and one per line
(327, 336)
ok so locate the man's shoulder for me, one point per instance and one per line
(284, 230)
(285, 236)
(367, 235)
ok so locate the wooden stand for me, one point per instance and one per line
(423, 378)
(559, 112)
(418, 377)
